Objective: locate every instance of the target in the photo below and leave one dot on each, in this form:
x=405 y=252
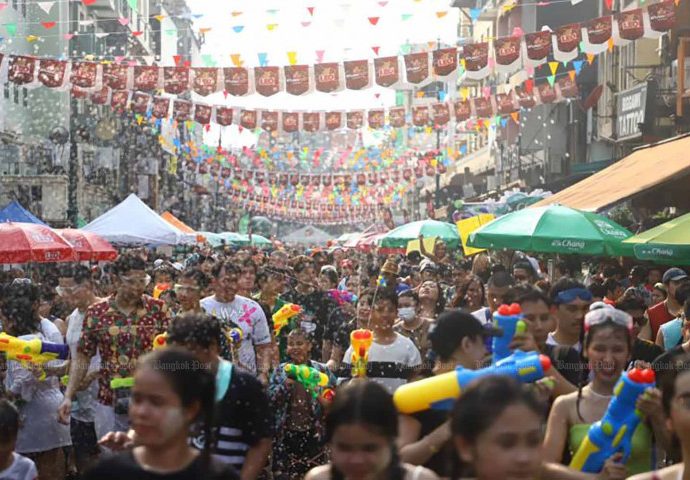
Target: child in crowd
x=13 y=466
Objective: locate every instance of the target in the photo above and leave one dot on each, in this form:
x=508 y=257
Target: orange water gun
x=361 y=341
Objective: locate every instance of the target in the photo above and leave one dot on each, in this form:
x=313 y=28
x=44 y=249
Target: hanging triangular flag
x=383 y=3
x=238 y=28
x=205 y=30
x=11 y=29
x=376 y=50
x=610 y=42
x=475 y=13
x=529 y=85
x=133 y=4
x=551 y=79
x=577 y=64
x=306 y=24
x=101 y=35
x=208 y=61
x=236 y=61
x=441 y=14
x=88 y=2
x=170 y=31
x=3 y=6
x=373 y=20
x=405 y=49
x=236 y=13
x=553 y=66
x=609 y=4
x=292 y=58
x=123 y=21
x=68 y=36
x=138 y=33
x=465 y=93
x=406 y=16
x=160 y=18
x=263 y=59
x=504 y=122
x=565 y=63
x=319 y=55
x=46 y=6
x=48 y=25
x=590 y=58
x=176 y=58
x=271 y=26
x=32 y=38
x=515 y=116
x=571 y=74
x=310 y=10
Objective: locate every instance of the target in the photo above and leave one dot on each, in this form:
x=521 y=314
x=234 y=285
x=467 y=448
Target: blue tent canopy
x=14 y=212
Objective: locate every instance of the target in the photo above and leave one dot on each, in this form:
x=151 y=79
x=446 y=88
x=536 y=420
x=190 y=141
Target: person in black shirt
x=242 y=428
x=319 y=317
x=643 y=350
x=171 y=392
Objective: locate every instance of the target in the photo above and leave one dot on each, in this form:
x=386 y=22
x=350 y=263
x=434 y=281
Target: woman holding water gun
x=676 y=402
x=607 y=348
x=35 y=387
x=361 y=428
x=298 y=401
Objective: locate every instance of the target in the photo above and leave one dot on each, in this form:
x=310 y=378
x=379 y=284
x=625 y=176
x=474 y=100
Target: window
x=15 y=92
x=25 y=97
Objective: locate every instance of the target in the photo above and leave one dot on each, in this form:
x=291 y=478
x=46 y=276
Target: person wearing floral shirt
x=121 y=329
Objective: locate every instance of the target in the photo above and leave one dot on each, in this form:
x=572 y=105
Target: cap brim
x=679 y=277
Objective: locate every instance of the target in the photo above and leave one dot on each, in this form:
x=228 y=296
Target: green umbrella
x=399 y=237
x=667 y=243
x=553 y=229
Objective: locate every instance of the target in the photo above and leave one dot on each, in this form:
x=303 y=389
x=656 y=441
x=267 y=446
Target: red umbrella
x=89 y=246
x=30 y=242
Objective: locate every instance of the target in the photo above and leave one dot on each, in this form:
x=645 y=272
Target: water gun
x=33 y=351
x=613 y=433
x=282 y=316
x=160 y=288
x=341 y=296
x=310 y=378
x=441 y=391
x=160 y=341
x=234 y=336
x=509 y=319
x=361 y=341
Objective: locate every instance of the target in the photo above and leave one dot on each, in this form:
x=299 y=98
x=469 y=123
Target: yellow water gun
x=35 y=351
x=283 y=316
x=361 y=341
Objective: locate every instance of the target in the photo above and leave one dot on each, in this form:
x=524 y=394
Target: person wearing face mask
x=410 y=324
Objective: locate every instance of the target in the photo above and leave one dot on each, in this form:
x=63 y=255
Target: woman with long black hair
x=172 y=393
x=361 y=428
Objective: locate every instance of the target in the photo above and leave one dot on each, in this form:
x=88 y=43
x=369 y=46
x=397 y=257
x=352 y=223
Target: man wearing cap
x=667 y=310
x=389 y=272
x=428 y=270
x=457 y=339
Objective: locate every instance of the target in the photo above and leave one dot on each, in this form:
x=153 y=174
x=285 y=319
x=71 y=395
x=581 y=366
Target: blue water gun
x=441 y=391
x=613 y=433
x=509 y=319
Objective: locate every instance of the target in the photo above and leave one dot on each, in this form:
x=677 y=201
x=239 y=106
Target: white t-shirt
x=21 y=468
x=550 y=340
x=483 y=315
x=247 y=315
x=83 y=406
x=389 y=365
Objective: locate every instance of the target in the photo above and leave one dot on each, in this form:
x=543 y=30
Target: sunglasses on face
x=569 y=296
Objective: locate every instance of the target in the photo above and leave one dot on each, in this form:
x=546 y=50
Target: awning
x=642 y=170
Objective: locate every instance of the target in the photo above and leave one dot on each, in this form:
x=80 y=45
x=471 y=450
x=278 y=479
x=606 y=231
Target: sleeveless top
x=640 y=460
x=658 y=315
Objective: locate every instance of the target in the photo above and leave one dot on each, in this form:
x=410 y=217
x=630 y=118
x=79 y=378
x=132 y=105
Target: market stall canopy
x=181 y=226
x=132 y=222
x=399 y=237
x=256 y=240
x=89 y=246
x=32 y=243
x=667 y=243
x=554 y=229
x=642 y=170
x=308 y=236
x=14 y=212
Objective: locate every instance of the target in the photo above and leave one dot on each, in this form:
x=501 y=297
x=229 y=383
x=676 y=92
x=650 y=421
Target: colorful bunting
x=441 y=14
x=236 y=13
x=123 y=21
x=475 y=13
x=271 y=26
x=311 y=11
x=373 y=20
x=571 y=74
x=292 y=58
x=551 y=79
x=590 y=58
x=553 y=66
x=263 y=58
x=45 y=6
x=48 y=25
x=88 y=2
x=376 y=50
x=577 y=64
x=306 y=24
x=133 y=4
x=319 y=55
x=238 y=28
x=3 y=6
x=236 y=59
x=11 y=28
x=405 y=16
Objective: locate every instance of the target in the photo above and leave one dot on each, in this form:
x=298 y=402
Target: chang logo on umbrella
x=610 y=230
x=658 y=251
x=568 y=243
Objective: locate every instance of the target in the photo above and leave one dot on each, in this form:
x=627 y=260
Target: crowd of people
x=178 y=369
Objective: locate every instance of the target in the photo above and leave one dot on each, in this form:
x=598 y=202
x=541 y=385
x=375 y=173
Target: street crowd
x=184 y=367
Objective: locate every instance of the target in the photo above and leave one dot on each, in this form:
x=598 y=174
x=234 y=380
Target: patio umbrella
x=666 y=243
x=399 y=237
x=31 y=242
x=89 y=246
x=554 y=229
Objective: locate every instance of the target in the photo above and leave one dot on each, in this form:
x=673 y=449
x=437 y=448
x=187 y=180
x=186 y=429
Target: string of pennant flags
x=475 y=61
